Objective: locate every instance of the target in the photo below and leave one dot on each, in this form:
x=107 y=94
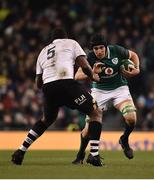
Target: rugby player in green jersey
x=106 y=61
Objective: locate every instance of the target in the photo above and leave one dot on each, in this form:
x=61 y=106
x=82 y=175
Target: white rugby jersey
x=56 y=61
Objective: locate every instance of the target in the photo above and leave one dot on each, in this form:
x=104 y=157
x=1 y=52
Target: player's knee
x=131 y=118
x=129 y=113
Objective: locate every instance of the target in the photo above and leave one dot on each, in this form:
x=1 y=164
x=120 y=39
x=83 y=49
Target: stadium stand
x=25 y=28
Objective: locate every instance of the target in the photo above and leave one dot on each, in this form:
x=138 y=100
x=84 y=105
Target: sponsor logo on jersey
x=108 y=71
x=115 y=60
x=107 y=77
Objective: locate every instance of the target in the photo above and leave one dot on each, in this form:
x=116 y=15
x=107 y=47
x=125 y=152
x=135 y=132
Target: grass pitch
x=57 y=164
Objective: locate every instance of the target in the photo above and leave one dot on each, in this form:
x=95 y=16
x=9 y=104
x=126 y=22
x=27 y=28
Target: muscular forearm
x=84 y=65
x=86 y=68
x=134 y=57
x=88 y=72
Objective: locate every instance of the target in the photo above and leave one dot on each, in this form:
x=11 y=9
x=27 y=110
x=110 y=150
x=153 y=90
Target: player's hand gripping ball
x=129 y=69
x=127 y=65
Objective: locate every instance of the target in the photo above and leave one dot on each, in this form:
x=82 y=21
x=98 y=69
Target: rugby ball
x=127 y=64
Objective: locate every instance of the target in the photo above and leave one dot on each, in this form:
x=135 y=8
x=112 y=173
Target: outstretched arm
x=86 y=69
x=97 y=68
x=80 y=75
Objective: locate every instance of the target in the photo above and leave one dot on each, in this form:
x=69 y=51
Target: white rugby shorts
x=116 y=96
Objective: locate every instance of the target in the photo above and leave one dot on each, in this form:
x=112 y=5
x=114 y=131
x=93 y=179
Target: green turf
x=57 y=164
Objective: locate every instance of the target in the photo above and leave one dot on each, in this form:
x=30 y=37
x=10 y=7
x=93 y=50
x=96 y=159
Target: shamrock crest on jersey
x=115 y=60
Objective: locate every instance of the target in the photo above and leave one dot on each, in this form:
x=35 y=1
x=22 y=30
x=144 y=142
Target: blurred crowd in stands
x=25 y=27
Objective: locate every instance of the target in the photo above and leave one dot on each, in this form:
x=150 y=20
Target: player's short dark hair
x=98 y=39
x=59 y=33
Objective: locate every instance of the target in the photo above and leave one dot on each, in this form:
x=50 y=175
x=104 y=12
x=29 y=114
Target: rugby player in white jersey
x=55 y=75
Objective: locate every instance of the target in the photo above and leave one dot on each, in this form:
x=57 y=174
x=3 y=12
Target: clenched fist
x=98 y=67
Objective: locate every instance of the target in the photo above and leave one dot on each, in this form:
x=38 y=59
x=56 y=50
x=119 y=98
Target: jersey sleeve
x=78 y=51
x=38 y=66
x=122 y=52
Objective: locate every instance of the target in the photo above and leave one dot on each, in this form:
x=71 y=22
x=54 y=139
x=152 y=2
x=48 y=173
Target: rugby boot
x=18 y=156
x=95 y=160
x=79 y=159
x=126 y=148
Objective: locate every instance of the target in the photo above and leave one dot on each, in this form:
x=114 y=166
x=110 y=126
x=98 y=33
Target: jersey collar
x=108 y=52
x=56 y=40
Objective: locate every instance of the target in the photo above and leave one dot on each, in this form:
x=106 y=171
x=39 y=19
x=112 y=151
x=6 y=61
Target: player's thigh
x=102 y=97
x=128 y=110
x=124 y=103
x=120 y=95
x=78 y=98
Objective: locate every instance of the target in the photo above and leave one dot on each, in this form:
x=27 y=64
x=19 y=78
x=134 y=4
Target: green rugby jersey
x=111 y=77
